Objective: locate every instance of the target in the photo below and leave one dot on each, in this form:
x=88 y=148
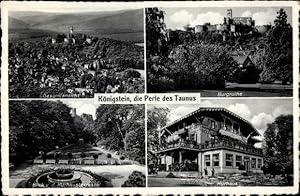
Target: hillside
x=121 y=25
x=14 y=23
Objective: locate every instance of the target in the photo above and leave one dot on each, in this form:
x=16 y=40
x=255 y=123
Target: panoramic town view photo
x=220 y=50
x=221 y=143
x=75 y=53
x=76 y=144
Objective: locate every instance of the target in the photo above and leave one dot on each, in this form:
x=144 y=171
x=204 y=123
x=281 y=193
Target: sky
x=66 y=7
x=259 y=112
x=83 y=106
x=176 y=18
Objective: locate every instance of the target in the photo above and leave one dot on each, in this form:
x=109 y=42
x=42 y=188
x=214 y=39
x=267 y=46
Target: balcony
x=217 y=144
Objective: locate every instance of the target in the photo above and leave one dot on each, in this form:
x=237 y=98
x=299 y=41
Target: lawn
x=234 y=180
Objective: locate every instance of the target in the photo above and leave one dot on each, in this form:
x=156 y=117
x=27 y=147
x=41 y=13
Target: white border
x=22 y=6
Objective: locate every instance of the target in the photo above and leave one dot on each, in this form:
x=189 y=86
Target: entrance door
x=247 y=164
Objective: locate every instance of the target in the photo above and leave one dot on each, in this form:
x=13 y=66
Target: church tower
x=71 y=30
x=71 y=33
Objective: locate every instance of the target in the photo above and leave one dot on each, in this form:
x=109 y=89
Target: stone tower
x=229 y=13
x=73 y=112
x=71 y=30
x=229 y=16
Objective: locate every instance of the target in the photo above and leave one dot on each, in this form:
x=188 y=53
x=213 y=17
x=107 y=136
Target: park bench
x=75 y=162
x=50 y=161
x=101 y=162
x=63 y=162
x=89 y=162
x=37 y=161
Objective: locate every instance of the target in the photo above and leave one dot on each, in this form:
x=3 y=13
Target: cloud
x=181 y=111
x=240 y=109
x=261 y=18
x=261 y=120
x=212 y=17
x=207 y=103
x=181 y=18
x=280 y=110
x=247 y=14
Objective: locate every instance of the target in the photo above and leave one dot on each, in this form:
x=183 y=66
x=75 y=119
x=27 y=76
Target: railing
x=216 y=144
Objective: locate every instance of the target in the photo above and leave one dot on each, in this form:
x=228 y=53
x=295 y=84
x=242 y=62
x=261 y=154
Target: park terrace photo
x=220 y=49
x=221 y=143
x=76 y=144
x=75 y=52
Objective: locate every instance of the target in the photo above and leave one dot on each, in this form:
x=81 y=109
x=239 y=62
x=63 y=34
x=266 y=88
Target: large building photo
x=221 y=142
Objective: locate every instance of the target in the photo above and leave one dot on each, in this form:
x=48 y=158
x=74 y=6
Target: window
x=259 y=163
x=207 y=160
x=229 y=160
x=216 y=160
x=236 y=128
x=212 y=124
x=228 y=125
x=192 y=137
x=238 y=160
x=253 y=163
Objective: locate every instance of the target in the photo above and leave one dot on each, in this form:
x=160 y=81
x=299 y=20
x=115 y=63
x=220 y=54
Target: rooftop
x=213 y=109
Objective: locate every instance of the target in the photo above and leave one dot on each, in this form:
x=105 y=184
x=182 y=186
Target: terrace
x=224 y=143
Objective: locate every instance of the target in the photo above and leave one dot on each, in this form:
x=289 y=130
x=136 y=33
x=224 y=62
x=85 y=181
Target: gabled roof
x=213 y=109
x=240 y=59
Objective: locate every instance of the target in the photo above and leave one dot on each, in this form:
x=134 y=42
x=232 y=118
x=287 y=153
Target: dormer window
x=211 y=123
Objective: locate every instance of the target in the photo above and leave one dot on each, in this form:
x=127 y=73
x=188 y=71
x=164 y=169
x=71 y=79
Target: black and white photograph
x=75 y=52
x=150 y=97
x=220 y=49
x=63 y=144
x=221 y=143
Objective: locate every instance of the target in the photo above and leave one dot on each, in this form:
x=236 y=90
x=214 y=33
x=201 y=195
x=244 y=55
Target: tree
x=281 y=19
x=157 y=118
x=156 y=32
x=279 y=54
x=121 y=128
x=36 y=123
x=95 y=156
x=205 y=66
x=278 y=146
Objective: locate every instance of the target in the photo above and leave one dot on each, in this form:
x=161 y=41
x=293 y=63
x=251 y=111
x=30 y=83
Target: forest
x=185 y=60
x=117 y=127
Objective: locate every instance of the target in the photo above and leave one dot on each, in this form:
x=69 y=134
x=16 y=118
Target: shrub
x=136 y=179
